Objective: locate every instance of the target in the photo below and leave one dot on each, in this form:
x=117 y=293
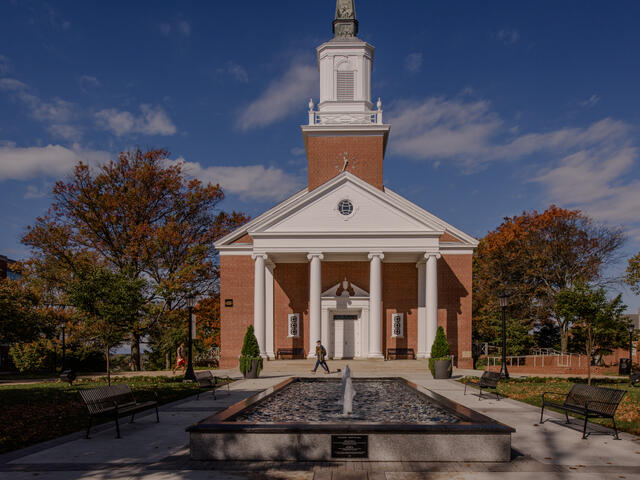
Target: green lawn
x=37 y=412
x=530 y=390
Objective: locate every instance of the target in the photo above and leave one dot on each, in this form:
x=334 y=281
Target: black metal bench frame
x=290 y=352
x=487 y=380
x=634 y=379
x=114 y=401
x=587 y=400
x=207 y=380
x=396 y=352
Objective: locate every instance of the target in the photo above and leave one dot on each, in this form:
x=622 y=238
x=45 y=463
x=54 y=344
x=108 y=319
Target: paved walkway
x=159 y=451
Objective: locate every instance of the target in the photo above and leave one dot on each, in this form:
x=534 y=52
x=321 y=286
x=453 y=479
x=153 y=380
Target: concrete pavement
x=159 y=451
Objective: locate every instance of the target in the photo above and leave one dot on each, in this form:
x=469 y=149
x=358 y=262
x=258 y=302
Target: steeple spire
x=345 y=23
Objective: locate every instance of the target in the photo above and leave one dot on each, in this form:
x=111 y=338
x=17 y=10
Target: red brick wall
x=291 y=295
x=236 y=283
x=400 y=295
x=244 y=239
x=454 y=305
x=325 y=153
x=335 y=272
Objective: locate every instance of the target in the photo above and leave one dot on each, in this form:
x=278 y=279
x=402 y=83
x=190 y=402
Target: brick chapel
x=346 y=260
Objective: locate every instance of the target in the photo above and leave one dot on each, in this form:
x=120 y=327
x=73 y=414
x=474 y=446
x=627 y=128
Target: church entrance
x=346 y=328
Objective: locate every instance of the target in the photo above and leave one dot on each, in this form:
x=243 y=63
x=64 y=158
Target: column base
x=376 y=355
x=311 y=355
x=270 y=356
x=422 y=356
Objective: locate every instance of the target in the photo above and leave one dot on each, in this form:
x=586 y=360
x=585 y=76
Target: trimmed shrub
x=33 y=357
x=250 y=351
x=439 y=350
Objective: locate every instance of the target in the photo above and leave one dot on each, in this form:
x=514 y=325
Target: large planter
x=443 y=368
x=254 y=371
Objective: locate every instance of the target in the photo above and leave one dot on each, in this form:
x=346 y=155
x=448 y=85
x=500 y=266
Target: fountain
x=316 y=419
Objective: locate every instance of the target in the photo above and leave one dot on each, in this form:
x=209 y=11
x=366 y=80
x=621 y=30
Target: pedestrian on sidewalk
x=181 y=360
x=321 y=355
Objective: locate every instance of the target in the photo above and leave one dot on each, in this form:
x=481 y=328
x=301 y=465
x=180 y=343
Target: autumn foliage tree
x=632 y=274
x=140 y=217
x=534 y=256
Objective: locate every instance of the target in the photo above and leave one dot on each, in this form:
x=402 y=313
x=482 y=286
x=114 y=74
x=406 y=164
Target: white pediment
x=345 y=289
x=371 y=211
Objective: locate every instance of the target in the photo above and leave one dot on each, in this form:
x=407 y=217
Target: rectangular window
x=397 y=325
x=346 y=86
x=293 y=325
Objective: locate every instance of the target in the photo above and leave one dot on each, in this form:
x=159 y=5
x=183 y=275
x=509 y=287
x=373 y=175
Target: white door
x=345 y=327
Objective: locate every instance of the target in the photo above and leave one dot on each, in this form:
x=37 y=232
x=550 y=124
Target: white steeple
x=345 y=64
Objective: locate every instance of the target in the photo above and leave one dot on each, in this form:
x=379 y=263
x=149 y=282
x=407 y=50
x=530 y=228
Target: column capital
x=432 y=254
x=263 y=256
x=373 y=255
x=313 y=255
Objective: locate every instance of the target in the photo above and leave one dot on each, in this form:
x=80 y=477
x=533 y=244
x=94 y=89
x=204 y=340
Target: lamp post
x=189 y=374
x=504 y=301
x=60 y=308
x=631 y=329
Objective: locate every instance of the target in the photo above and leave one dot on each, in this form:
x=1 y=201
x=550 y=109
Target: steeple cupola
x=345 y=23
x=346 y=124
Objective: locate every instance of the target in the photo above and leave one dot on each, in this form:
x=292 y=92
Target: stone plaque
x=349 y=446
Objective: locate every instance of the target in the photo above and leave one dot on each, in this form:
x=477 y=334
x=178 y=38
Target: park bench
x=400 y=353
x=68 y=376
x=291 y=353
x=587 y=400
x=114 y=401
x=635 y=379
x=487 y=380
x=206 y=380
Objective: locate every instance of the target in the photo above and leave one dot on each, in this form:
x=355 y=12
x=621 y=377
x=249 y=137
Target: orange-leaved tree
x=140 y=216
x=534 y=256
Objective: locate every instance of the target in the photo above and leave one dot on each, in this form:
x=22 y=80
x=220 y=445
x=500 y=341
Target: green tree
x=109 y=302
x=440 y=349
x=138 y=215
x=534 y=256
x=597 y=324
x=250 y=351
x=632 y=276
x=21 y=319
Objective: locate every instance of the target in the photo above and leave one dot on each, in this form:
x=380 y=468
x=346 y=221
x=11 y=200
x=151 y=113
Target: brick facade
x=399 y=295
x=325 y=155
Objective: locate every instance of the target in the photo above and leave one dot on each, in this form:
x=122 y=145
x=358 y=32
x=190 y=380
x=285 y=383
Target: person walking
x=181 y=359
x=321 y=355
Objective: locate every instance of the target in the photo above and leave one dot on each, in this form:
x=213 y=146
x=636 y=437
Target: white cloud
x=34 y=192
x=151 y=121
x=58 y=114
x=252 y=182
x=287 y=94
x=165 y=28
x=87 y=82
x=236 y=71
x=413 y=62
x=590 y=102
x=298 y=151
x=182 y=27
x=51 y=161
x=509 y=37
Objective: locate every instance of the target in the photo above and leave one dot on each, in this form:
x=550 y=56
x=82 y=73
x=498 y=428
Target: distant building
x=634 y=318
x=5 y=269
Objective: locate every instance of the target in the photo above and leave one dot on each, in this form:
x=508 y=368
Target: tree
x=439 y=349
x=632 y=277
x=597 y=323
x=534 y=256
x=141 y=217
x=250 y=351
x=110 y=302
x=21 y=319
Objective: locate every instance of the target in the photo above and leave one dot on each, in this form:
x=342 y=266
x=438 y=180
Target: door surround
x=356 y=306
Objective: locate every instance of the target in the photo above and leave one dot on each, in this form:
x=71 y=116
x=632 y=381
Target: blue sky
x=495 y=107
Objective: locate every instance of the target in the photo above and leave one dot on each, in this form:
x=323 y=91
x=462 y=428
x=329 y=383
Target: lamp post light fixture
x=189 y=374
x=504 y=301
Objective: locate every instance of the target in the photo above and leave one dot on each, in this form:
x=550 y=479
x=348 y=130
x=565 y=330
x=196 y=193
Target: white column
x=315 y=301
x=422 y=325
x=259 y=306
x=431 y=295
x=375 y=305
x=269 y=310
